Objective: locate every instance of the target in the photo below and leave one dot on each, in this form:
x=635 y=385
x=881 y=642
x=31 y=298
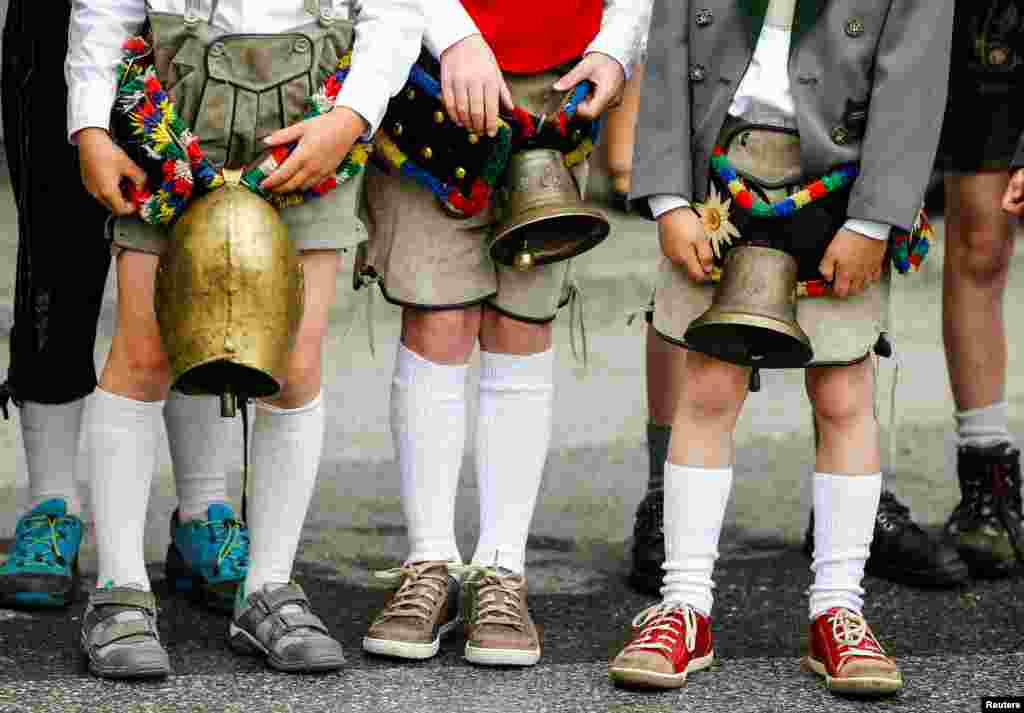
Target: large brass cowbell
x=229 y=297
x=752 y=318
x=544 y=220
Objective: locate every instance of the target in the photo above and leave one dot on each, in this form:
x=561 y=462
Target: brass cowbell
x=229 y=296
x=544 y=220
x=752 y=318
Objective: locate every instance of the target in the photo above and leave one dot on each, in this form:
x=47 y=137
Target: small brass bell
x=229 y=297
x=752 y=318
x=542 y=207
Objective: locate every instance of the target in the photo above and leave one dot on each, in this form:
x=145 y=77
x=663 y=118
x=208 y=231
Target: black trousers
x=63 y=251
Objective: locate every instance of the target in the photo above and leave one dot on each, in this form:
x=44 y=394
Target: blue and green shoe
x=208 y=559
x=41 y=570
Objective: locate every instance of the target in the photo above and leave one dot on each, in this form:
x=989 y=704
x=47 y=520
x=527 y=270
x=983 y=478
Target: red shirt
x=530 y=36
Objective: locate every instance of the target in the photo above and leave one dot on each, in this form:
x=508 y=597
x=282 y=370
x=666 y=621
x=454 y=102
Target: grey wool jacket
x=869 y=81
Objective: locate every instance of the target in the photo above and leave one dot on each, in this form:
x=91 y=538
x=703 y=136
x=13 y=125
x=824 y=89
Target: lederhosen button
x=841 y=135
x=698 y=73
x=705 y=18
x=854 y=27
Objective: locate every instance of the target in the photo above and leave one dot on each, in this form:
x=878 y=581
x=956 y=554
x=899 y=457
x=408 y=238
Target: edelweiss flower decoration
x=714 y=214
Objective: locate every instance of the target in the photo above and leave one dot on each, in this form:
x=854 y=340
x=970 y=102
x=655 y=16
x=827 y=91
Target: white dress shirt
x=387 y=42
x=622 y=34
x=764 y=97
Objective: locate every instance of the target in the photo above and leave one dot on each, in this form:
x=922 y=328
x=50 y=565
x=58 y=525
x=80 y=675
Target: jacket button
x=698 y=73
x=705 y=18
x=840 y=136
x=301 y=45
x=216 y=49
x=854 y=27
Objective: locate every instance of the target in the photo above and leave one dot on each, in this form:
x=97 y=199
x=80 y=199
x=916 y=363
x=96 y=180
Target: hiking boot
x=669 y=641
x=423 y=609
x=902 y=552
x=649 y=544
x=120 y=635
x=499 y=629
x=207 y=560
x=845 y=652
x=277 y=622
x=41 y=569
x=986 y=527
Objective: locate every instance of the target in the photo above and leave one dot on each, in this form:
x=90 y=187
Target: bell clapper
x=755 y=380
x=228 y=404
x=524 y=258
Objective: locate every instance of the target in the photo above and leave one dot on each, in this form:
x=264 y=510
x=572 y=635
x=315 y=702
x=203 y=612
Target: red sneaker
x=845 y=651
x=669 y=641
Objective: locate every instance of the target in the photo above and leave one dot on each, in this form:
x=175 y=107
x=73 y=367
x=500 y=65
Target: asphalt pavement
x=953 y=646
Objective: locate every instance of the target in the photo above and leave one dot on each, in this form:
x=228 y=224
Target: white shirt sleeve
x=388 y=40
x=663 y=203
x=623 y=31
x=447 y=23
x=98 y=29
x=869 y=228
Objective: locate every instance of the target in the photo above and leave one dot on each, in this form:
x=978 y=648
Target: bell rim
x=272 y=385
x=537 y=215
x=760 y=321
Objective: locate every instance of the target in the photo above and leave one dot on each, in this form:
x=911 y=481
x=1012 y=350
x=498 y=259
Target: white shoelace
x=850 y=629
x=661 y=620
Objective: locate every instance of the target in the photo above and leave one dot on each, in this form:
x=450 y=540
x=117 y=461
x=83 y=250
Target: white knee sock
x=695 y=502
x=512 y=438
x=123 y=435
x=844 y=523
x=286 y=447
x=50 y=433
x=199 y=440
x=985 y=426
x=428 y=423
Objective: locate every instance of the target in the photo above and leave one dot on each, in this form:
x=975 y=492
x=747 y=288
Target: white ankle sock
x=199 y=440
x=695 y=502
x=985 y=426
x=122 y=437
x=428 y=423
x=512 y=438
x=286 y=447
x=50 y=433
x=844 y=523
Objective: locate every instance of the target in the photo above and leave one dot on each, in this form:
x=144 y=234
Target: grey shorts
x=330 y=222
x=842 y=331
x=424 y=258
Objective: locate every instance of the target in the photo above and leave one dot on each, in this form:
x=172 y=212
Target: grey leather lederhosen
x=235 y=89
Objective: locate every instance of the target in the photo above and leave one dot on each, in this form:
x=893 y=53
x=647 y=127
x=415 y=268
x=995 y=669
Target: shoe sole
x=639 y=678
x=501 y=657
x=409 y=649
x=52 y=599
x=858 y=685
x=241 y=642
x=133 y=673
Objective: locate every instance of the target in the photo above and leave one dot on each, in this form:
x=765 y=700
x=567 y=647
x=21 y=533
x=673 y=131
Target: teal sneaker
x=41 y=569
x=208 y=559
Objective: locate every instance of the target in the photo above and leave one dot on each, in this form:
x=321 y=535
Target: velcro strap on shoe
x=125 y=597
x=300 y=620
x=274 y=600
x=107 y=633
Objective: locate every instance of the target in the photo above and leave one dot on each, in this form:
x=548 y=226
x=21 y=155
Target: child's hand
x=324 y=141
x=607 y=76
x=1013 y=199
x=683 y=241
x=852 y=262
x=472 y=85
x=104 y=165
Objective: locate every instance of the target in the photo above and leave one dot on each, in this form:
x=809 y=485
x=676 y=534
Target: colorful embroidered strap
x=147 y=126
x=908 y=250
x=461 y=169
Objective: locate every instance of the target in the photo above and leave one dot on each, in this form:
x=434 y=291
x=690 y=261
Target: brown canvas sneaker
x=499 y=629
x=423 y=609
